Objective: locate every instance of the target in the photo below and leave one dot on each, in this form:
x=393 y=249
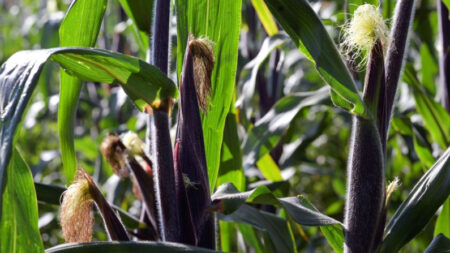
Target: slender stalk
x=396 y=52
x=444 y=54
x=365 y=191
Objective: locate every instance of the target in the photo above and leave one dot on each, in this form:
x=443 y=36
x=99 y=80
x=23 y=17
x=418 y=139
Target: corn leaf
x=425 y=198
x=440 y=244
x=119 y=247
x=267 y=132
x=219 y=22
x=144 y=83
x=309 y=35
x=79 y=28
x=443 y=220
x=19 y=230
x=277 y=228
x=434 y=115
x=140 y=11
x=265 y=17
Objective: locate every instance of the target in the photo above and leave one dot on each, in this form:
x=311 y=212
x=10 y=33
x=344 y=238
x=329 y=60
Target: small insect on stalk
x=77 y=218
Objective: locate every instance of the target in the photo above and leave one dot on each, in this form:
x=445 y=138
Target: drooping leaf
x=440 y=244
x=434 y=115
x=19 y=230
x=140 y=11
x=220 y=23
x=309 y=35
x=268 y=130
x=143 y=83
x=425 y=198
x=277 y=227
x=231 y=199
x=79 y=28
x=119 y=247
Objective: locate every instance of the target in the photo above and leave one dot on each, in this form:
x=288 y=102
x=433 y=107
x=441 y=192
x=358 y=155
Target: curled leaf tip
x=362 y=32
x=113 y=151
x=203 y=55
x=77 y=218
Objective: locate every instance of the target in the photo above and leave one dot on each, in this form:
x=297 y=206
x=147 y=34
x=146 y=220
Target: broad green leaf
x=443 y=221
x=144 y=84
x=309 y=35
x=269 y=168
x=51 y=194
x=19 y=230
x=231 y=199
x=230 y=171
x=333 y=233
x=249 y=234
x=265 y=17
x=425 y=198
x=440 y=244
x=267 y=132
x=140 y=11
x=277 y=227
x=434 y=115
x=119 y=247
x=79 y=28
x=219 y=21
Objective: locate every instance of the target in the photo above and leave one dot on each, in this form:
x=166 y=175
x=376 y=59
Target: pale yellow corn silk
x=362 y=31
x=77 y=217
x=133 y=143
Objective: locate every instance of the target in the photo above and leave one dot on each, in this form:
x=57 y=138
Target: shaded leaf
x=425 y=198
x=119 y=247
x=440 y=244
x=19 y=230
x=309 y=35
x=268 y=130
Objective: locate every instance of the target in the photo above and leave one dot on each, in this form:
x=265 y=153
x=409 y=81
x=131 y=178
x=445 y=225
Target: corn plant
x=261 y=126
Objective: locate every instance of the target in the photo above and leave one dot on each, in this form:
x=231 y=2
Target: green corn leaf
x=79 y=28
x=309 y=35
x=265 y=17
x=230 y=171
x=19 y=230
x=220 y=23
x=269 y=168
x=140 y=11
x=144 y=83
x=277 y=228
x=425 y=198
x=250 y=236
x=119 y=247
x=434 y=115
x=440 y=244
x=267 y=132
x=299 y=208
x=443 y=220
